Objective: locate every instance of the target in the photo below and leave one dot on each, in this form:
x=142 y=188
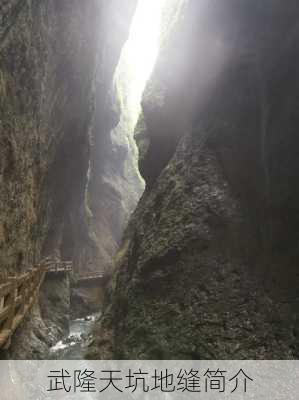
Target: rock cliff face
x=50 y=53
x=208 y=263
x=114 y=185
x=47 y=74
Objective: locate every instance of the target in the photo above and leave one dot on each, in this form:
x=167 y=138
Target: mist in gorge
x=149 y=179
x=137 y=60
x=150 y=23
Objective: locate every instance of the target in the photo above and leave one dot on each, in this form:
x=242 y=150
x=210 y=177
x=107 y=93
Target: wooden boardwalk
x=59 y=266
x=18 y=294
x=95 y=276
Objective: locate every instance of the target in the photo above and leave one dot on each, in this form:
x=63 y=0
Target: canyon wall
x=47 y=75
x=114 y=184
x=50 y=53
x=207 y=268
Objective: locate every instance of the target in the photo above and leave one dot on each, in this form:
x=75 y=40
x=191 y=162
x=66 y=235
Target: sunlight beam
x=138 y=58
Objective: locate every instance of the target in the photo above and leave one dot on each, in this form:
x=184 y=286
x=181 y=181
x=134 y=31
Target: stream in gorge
x=73 y=346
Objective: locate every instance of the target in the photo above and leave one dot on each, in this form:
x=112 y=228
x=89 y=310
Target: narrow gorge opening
x=72 y=84
x=120 y=173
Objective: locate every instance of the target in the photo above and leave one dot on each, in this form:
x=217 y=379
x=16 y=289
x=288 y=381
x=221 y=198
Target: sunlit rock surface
x=207 y=269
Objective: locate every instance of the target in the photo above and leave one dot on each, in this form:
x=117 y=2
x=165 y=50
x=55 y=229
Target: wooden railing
x=18 y=294
x=59 y=266
x=90 y=277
